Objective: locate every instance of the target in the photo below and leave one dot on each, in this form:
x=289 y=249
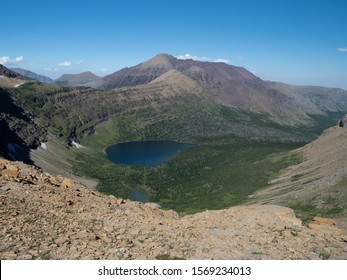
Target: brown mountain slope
x=153 y=68
x=51 y=217
x=174 y=81
x=236 y=87
x=140 y=74
x=223 y=83
x=318 y=183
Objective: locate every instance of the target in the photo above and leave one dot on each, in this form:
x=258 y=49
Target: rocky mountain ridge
x=9 y=78
x=227 y=85
x=51 y=217
x=32 y=75
x=238 y=88
x=18 y=130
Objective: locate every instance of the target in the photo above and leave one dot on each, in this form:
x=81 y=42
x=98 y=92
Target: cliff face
x=18 y=131
x=51 y=217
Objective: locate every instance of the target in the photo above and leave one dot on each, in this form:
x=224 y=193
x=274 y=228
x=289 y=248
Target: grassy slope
x=332 y=205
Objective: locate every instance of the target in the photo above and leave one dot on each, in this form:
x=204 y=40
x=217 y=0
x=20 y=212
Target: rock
x=343 y=122
x=67 y=183
x=325 y=226
x=83 y=234
x=61 y=240
x=12 y=173
x=121 y=201
x=152 y=205
x=324 y=221
x=11 y=166
x=9 y=255
x=54 y=181
x=25 y=257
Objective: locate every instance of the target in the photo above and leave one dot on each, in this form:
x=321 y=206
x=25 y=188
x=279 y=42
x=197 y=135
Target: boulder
x=325 y=226
x=343 y=122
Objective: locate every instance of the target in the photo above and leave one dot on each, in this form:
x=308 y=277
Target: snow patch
x=19 y=84
x=75 y=144
x=44 y=146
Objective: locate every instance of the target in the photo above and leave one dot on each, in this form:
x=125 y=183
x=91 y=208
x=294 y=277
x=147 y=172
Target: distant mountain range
x=32 y=75
x=164 y=81
x=236 y=87
x=222 y=83
x=87 y=79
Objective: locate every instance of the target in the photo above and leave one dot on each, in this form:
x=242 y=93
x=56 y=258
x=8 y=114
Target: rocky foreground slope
x=51 y=217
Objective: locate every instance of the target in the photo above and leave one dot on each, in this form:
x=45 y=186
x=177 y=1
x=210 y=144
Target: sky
x=300 y=42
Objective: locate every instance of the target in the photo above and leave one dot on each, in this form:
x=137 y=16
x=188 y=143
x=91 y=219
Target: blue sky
x=298 y=42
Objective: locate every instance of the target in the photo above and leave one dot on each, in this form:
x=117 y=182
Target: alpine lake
x=144 y=154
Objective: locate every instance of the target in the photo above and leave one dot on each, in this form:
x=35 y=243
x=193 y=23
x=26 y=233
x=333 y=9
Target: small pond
x=138 y=196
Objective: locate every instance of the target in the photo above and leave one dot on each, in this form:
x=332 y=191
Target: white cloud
x=65 y=64
x=4 y=59
x=80 y=62
x=18 y=59
x=194 y=57
x=50 y=69
x=342 y=49
x=7 y=60
x=201 y=58
x=221 y=60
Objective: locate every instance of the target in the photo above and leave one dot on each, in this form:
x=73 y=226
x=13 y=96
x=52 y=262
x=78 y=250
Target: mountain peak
x=88 y=79
x=161 y=60
x=164 y=57
x=83 y=74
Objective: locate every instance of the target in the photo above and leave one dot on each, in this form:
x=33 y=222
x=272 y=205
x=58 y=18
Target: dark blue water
x=144 y=153
x=138 y=196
